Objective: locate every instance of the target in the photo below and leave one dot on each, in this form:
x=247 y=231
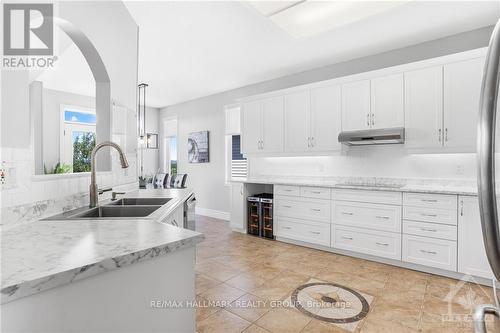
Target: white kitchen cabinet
x=387 y=102
x=325 y=118
x=312 y=120
x=471 y=253
x=251 y=121
x=297 y=121
x=233 y=121
x=272 y=125
x=462 y=87
x=356 y=105
x=262 y=126
x=238 y=207
x=432 y=252
x=424 y=108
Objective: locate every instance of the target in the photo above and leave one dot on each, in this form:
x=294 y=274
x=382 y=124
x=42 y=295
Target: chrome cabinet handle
x=461 y=208
x=288 y=228
x=429 y=200
x=382 y=244
x=428 y=252
x=368 y=119
x=312 y=141
x=347 y=213
x=430 y=230
x=315 y=232
x=345 y=237
x=309 y=142
x=446 y=134
x=316 y=210
x=382 y=217
x=486 y=152
x=428 y=215
x=287 y=206
x=315 y=192
x=373 y=119
x=439 y=135
x=479 y=316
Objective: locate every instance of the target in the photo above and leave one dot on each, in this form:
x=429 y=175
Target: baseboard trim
x=216 y=214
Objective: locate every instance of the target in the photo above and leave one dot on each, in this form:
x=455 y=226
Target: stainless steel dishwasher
x=189 y=213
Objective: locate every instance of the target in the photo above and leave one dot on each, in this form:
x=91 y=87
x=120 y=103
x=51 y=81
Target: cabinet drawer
x=315 y=192
x=377 y=243
x=435 y=215
x=435 y=230
x=286 y=190
x=381 y=197
x=305 y=231
x=440 y=201
x=303 y=208
x=366 y=215
x=432 y=252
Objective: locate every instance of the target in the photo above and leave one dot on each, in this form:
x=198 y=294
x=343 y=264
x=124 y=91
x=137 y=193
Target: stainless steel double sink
x=118 y=209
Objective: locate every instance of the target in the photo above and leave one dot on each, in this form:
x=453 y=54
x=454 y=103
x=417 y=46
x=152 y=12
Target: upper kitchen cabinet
x=387 y=102
x=325 y=118
x=356 y=113
x=297 y=121
x=373 y=104
x=272 y=125
x=251 y=125
x=262 y=126
x=312 y=120
x=424 y=108
x=462 y=87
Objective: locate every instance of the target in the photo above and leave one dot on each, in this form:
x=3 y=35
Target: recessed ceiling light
x=308 y=18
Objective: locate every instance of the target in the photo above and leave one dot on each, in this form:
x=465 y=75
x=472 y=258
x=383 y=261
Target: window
x=238 y=164
x=78 y=136
x=173 y=155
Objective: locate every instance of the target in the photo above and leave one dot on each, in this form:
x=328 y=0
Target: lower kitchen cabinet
x=304 y=231
x=372 y=242
x=432 y=252
x=471 y=253
x=177 y=218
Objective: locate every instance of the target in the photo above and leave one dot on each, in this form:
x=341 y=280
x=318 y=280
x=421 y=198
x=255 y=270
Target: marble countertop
x=45 y=254
x=437 y=186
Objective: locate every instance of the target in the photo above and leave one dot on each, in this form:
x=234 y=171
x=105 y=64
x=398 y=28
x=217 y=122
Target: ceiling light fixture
x=307 y=18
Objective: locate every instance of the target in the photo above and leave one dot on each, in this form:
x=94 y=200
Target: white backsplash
x=387 y=162
x=26 y=197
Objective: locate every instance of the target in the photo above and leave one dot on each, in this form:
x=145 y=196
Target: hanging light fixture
x=141 y=123
x=141 y=114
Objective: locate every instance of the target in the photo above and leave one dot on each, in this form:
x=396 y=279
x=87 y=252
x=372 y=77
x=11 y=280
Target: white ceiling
x=192 y=49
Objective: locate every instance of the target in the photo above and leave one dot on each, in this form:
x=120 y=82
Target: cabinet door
x=325 y=118
x=462 y=87
x=238 y=216
x=297 y=115
x=251 y=127
x=356 y=105
x=272 y=125
x=387 y=104
x=471 y=253
x=424 y=108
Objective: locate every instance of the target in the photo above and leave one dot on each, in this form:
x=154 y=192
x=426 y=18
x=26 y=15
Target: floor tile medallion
x=331 y=303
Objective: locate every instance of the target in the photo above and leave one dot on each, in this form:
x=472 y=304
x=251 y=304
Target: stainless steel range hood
x=384 y=136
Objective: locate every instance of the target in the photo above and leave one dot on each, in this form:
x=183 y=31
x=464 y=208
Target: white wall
x=113 y=31
x=207 y=113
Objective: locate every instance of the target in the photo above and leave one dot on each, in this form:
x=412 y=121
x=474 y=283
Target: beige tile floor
x=234 y=271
